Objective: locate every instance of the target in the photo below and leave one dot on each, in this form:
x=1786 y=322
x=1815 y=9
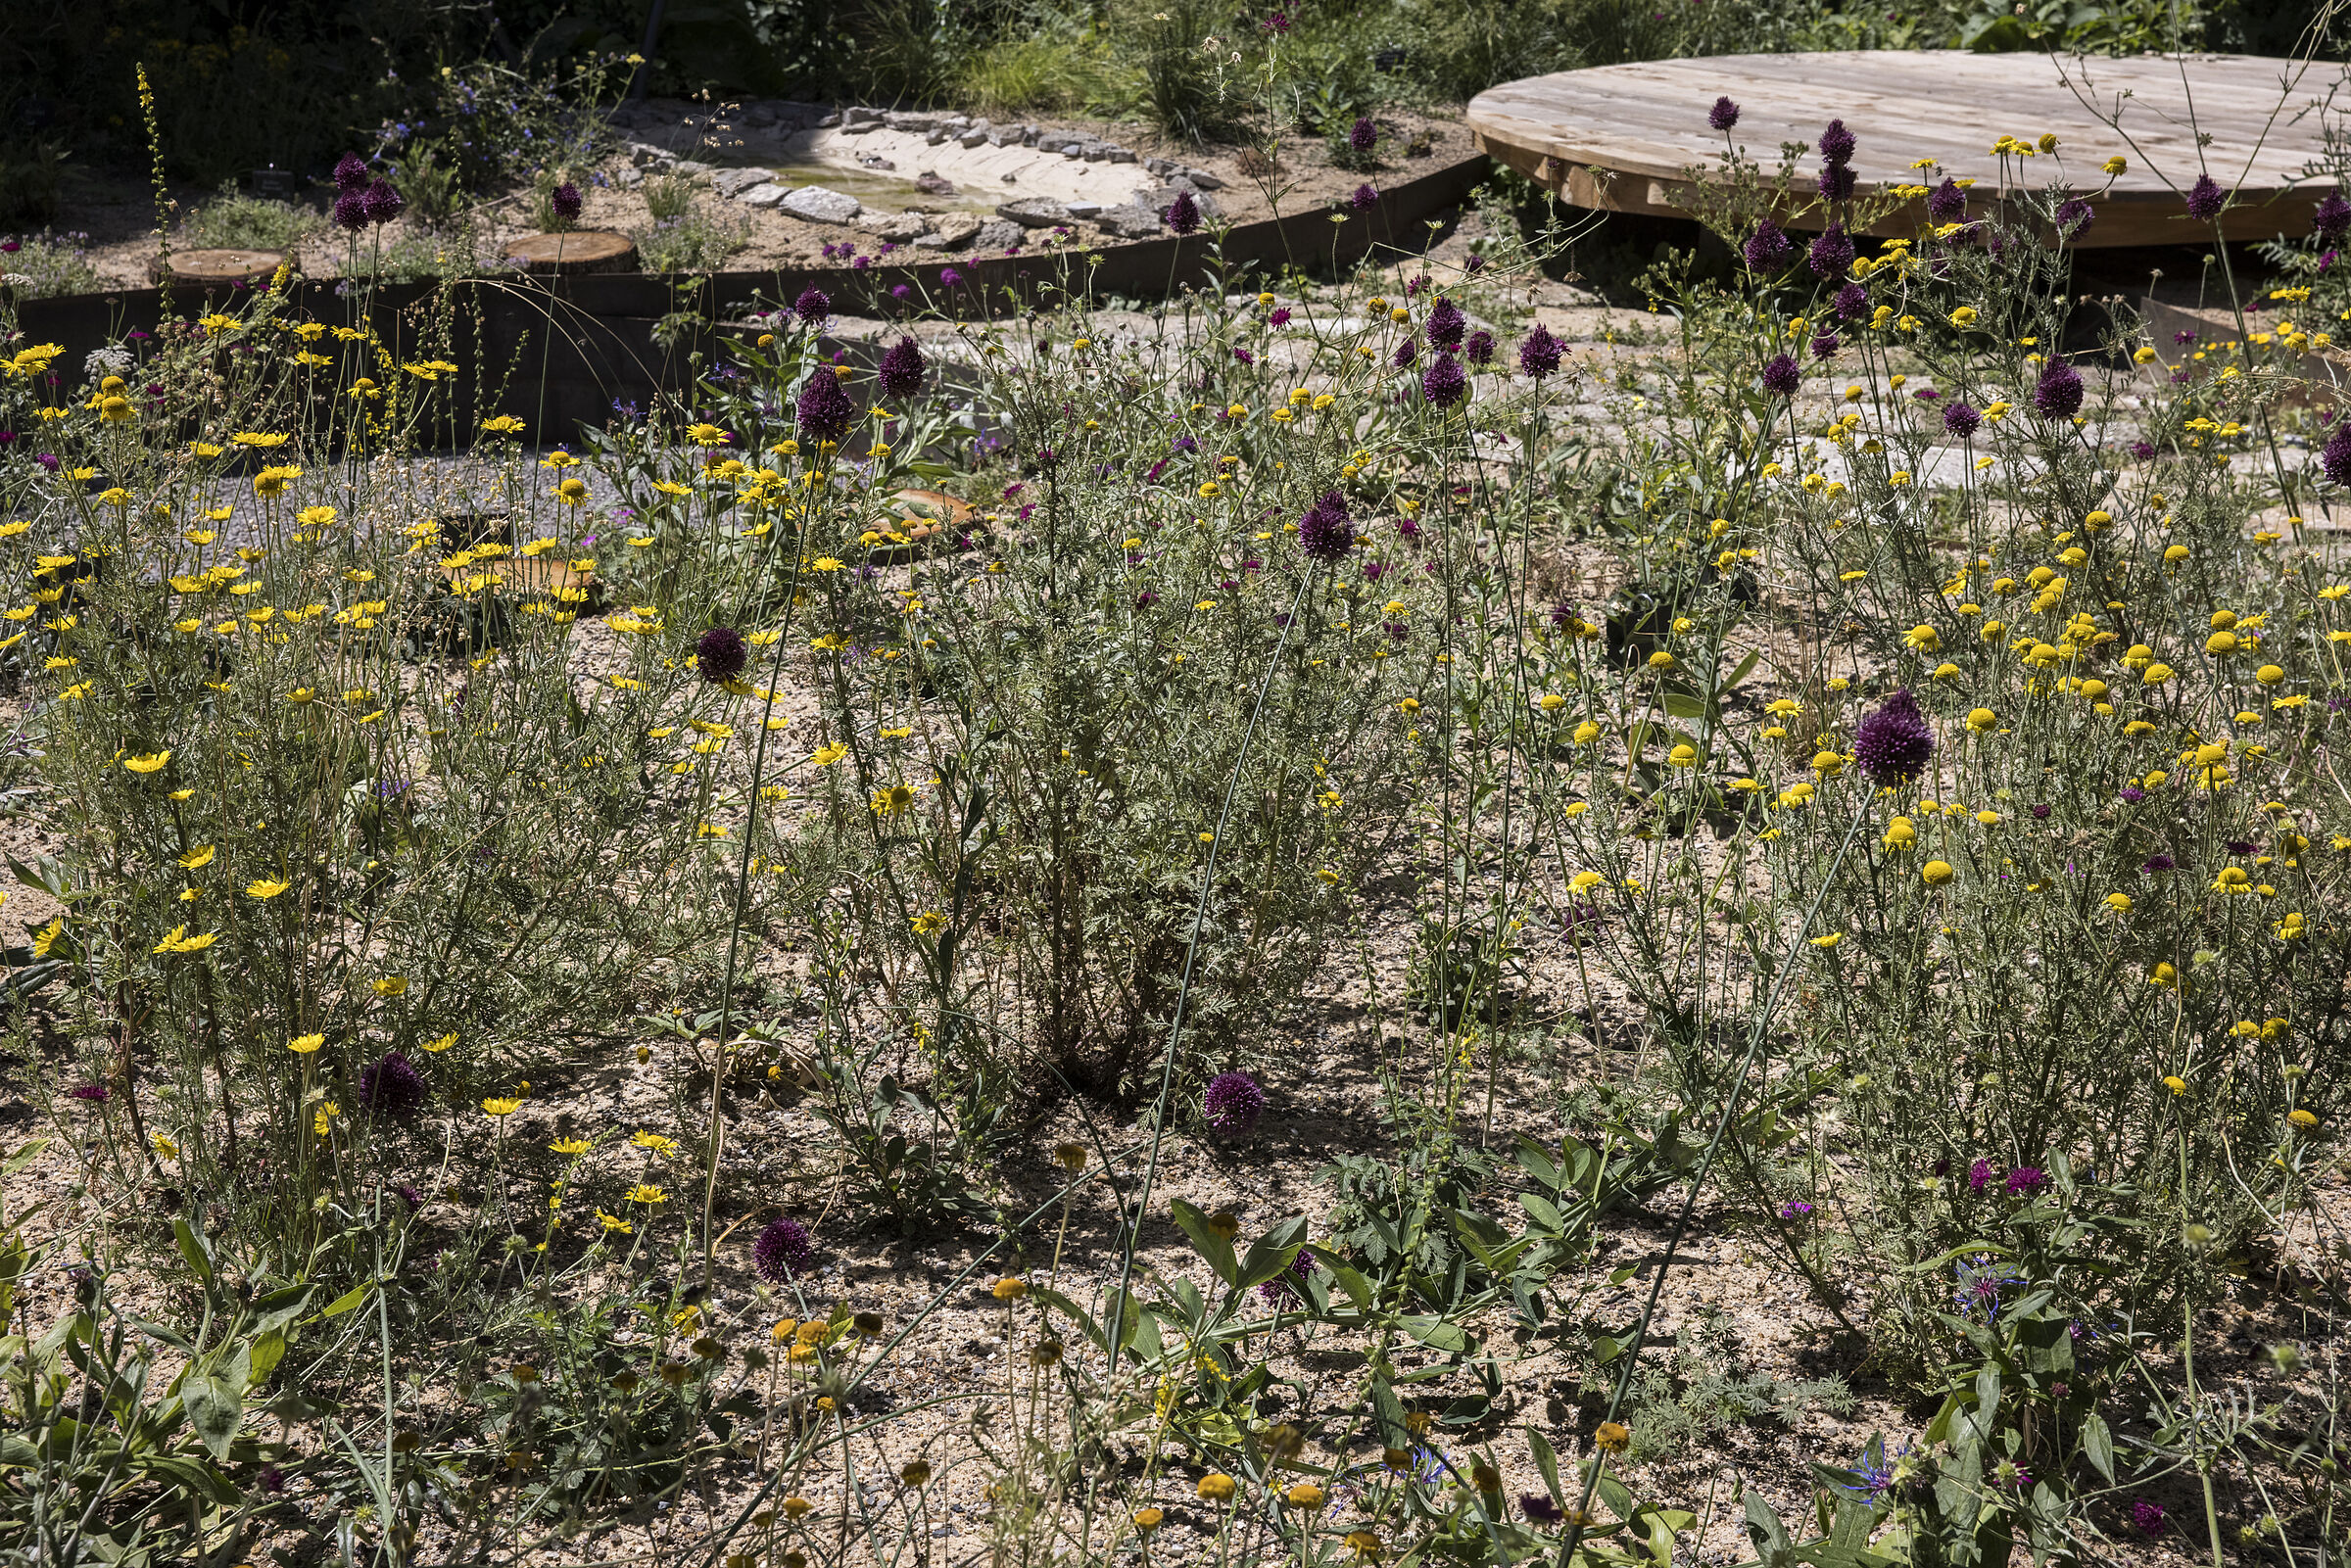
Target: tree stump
x=216 y=269
x=574 y=254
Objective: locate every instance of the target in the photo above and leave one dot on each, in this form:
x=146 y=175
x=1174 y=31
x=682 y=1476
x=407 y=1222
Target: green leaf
x=1349 y=1277
x=194 y=1248
x=1435 y=1332
x=23 y=1156
x=348 y=1300
x=1680 y=705
x=1543 y=1213
x=2097 y=1446
x=1746 y=668
x=279 y=1308
x=1272 y=1253
x=1547 y=1460
x=214 y=1410
x=1388 y=1411
x=1076 y=1315
x=1206 y=1241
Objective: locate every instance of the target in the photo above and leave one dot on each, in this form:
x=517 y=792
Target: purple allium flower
x=1363 y=135
x=2158 y=863
x=1838 y=143
x=2057 y=394
x=392 y=1087
x=1825 y=343
x=1781 y=376
x=351 y=211
x=1445 y=323
x=2133 y=794
x=783 y=1249
x=2143 y=450
x=1283 y=1286
x=2330 y=220
x=1183 y=215
x=1538 y=1505
x=1947 y=202
x=1406 y=352
x=1767 y=248
x=813 y=306
x=824 y=408
x=2075 y=217
x=1324 y=530
x=1539 y=355
x=1832 y=252
x=410 y=1195
x=382 y=204
x=1724 y=114
x=2205 y=199
x=721 y=653
x=902 y=370
x=1853 y=301
x=1961 y=419
x=1365 y=199
x=95 y=1092
x=1445 y=383
x=269 y=1478
x=565 y=201
x=1232 y=1104
x=1892 y=743
x=1978 y=1176
x=2242 y=846
x=1836 y=182
x=1480 y=347
x=351 y=172
x=949 y=277
x=2335 y=456
x=2148 y=1515
x=2026 y=1180
x=2041 y=811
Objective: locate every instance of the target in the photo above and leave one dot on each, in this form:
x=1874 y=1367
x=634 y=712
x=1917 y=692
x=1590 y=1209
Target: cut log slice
x=575 y=254
x=216 y=269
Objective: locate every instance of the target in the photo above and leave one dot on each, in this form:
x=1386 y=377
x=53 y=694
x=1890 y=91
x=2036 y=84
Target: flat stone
x=861 y=116
x=1203 y=179
x=876 y=161
x=952 y=231
x=1035 y=211
x=733 y=182
x=1084 y=210
x=1131 y=221
x=766 y=193
x=910 y=119
x=999 y=235
x=830 y=121
x=931 y=183
x=973 y=137
x=1119 y=154
x=936 y=138
x=819 y=206
x=861 y=127
x=900 y=228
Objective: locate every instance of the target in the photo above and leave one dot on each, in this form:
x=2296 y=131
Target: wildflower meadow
x=1307 y=921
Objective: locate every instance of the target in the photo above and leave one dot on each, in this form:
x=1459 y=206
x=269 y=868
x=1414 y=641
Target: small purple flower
x=1767 y=248
x=1232 y=1104
x=351 y=211
x=1280 y=316
x=1832 y=252
x=392 y=1087
x=949 y=277
x=1539 y=355
x=1480 y=348
x=1538 y=1505
x=1183 y=215
x=2133 y=794
x=351 y=172
x=2026 y=1180
x=901 y=368
x=1853 y=301
x=2335 y=456
x=2155 y=863
x=2075 y=217
x=813 y=306
x=382 y=204
x=1836 y=182
x=410 y=1195
x=1283 y=1287
x=1947 y=203
x=824 y=408
x=565 y=202
x=2040 y=812
x=94 y=1092
x=1894 y=742
x=721 y=653
x=2143 y=450
x=1782 y=377
x=2149 y=1517
x=783 y=1249
x=2057 y=394
x=1825 y=343
x=1365 y=199
x=2205 y=199
x=1838 y=143
x=1724 y=114
x=1445 y=383
x=1796 y=1208
x=1326 y=532
x=2330 y=220
x=1978 y=1176
x=1961 y=419
x=1445 y=323
x=1363 y=135
x=1406 y=352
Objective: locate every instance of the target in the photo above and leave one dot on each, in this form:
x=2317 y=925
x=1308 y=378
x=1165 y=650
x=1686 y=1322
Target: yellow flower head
x=306 y=1044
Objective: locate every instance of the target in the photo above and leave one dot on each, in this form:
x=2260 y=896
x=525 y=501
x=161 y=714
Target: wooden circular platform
x=218 y=269
x=1632 y=138
x=574 y=254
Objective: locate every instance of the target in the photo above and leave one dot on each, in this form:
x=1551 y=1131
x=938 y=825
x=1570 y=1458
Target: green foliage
x=1699 y=1390
x=48 y=264
x=231 y=222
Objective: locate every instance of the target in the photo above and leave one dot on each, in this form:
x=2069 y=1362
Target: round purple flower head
x=2330 y=220
x=2073 y=218
x=783 y=1249
x=1781 y=376
x=1826 y=343
x=1960 y=419
x=88 y=1091
x=1406 y=352
x=565 y=202
x=1184 y=214
x=1283 y=1286
x=2335 y=456
x=1836 y=182
x=1445 y=383
x=392 y=1087
x=1539 y=355
x=351 y=211
x=2026 y=1180
x=2155 y=863
x=1232 y=1104
x=1363 y=135
x=1832 y=252
x=1767 y=248
x=813 y=306
x=1480 y=347
x=2148 y=1515
x=902 y=370
x=1724 y=114
x=2057 y=394
x=1324 y=531
x=1947 y=203
x=824 y=410
x=721 y=653
x=1892 y=743
x=1836 y=143
x=1852 y=301
x=1365 y=199
x=351 y=172
x=2205 y=199
x=1446 y=325
x=382 y=203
